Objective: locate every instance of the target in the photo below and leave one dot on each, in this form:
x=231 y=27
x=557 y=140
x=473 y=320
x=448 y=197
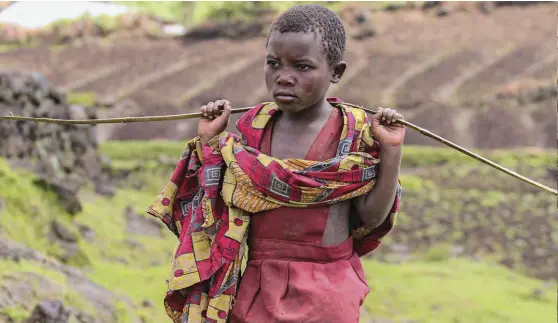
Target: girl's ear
x=338 y=71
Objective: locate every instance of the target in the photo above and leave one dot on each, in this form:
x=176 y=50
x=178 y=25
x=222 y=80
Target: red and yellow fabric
x=216 y=187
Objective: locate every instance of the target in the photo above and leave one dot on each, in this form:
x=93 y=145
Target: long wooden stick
x=240 y=110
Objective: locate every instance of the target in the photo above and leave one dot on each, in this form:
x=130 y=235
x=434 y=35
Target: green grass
x=26 y=216
x=421 y=156
x=453 y=291
x=81 y=98
x=8 y=47
x=28 y=210
x=142 y=150
x=139 y=277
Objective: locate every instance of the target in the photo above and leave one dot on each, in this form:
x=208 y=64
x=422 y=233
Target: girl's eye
x=303 y=67
x=272 y=63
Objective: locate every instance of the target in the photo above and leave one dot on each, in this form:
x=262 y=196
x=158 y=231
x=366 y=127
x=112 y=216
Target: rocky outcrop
x=63 y=155
x=46 y=298
x=49 y=312
x=65 y=152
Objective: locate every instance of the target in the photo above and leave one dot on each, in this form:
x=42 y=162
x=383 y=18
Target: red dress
x=290 y=277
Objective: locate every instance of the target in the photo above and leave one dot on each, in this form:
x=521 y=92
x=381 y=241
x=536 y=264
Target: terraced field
x=430 y=68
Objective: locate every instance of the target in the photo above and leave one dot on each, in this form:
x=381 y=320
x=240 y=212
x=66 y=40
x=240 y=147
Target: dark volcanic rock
x=62 y=232
x=49 y=312
x=66 y=194
x=25 y=289
x=58 y=150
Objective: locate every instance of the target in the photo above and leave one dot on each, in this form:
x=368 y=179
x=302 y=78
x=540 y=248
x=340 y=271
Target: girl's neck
x=316 y=112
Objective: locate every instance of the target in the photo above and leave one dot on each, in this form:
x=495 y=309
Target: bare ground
x=417 y=63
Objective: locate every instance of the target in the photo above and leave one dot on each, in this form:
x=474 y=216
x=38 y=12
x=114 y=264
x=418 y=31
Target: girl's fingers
x=211 y=110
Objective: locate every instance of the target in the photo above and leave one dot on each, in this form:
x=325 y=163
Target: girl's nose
x=285 y=79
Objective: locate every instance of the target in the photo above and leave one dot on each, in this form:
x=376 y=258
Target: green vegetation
x=171 y=10
x=28 y=210
x=16 y=313
x=112 y=263
x=8 y=47
x=449 y=200
x=81 y=98
x=142 y=150
x=188 y=14
x=191 y=13
x=455 y=291
x=421 y=156
x=413 y=156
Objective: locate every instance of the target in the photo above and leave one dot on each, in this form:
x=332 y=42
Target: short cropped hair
x=320 y=20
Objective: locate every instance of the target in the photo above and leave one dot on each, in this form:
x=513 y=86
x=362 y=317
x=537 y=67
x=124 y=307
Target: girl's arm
x=374 y=208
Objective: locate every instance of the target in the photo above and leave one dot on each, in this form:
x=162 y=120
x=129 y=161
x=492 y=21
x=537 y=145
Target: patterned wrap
x=215 y=187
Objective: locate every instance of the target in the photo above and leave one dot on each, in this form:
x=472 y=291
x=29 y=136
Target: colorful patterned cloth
x=216 y=187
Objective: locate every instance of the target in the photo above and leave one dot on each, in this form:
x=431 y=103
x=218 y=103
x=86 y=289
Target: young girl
x=311 y=177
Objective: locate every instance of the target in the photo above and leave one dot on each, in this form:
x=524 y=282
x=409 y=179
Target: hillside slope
x=442 y=72
x=448 y=234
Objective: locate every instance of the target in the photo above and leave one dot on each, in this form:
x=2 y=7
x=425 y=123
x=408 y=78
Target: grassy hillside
x=123 y=262
x=456 y=291
x=123 y=251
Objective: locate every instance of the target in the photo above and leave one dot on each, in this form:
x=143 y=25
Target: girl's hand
x=214 y=120
x=385 y=128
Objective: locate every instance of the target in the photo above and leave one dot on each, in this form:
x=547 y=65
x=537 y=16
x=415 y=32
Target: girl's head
x=305 y=49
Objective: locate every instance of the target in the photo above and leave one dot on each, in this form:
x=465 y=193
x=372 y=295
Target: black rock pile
x=63 y=155
x=61 y=150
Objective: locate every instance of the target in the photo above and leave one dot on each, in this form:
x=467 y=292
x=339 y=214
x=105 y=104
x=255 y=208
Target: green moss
x=16 y=313
x=81 y=98
x=28 y=210
x=7 y=267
